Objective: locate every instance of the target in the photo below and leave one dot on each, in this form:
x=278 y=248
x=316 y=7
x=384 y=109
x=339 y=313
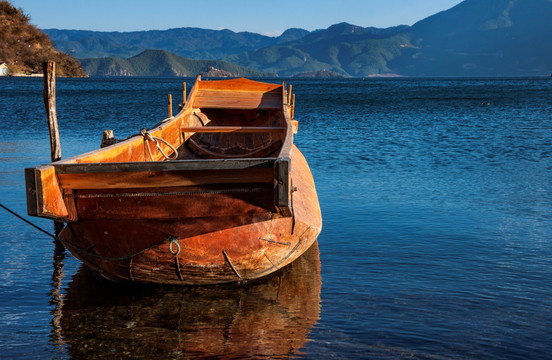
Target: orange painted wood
x=256 y=242
x=240 y=84
x=295 y=125
x=238 y=94
x=175 y=203
x=148 y=179
x=237 y=100
x=48 y=195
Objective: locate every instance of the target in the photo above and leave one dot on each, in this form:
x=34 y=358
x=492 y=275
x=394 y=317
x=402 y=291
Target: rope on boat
x=149 y=137
x=175 y=253
x=125 y=257
x=171 y=239
x=175 y=242
x=28 y=222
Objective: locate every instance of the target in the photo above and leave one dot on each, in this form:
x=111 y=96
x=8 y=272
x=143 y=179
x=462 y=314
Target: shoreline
x=39 y=76
x=26 y=75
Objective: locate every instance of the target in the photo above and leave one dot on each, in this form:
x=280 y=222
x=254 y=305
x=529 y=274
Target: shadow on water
x=270 y=318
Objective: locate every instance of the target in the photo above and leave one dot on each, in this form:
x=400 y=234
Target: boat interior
x=232 y=133
x=229 y=132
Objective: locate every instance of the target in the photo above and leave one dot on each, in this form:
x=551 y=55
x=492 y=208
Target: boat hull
x=195 y=237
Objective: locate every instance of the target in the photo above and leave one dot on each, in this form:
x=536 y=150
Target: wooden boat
x=217 y=193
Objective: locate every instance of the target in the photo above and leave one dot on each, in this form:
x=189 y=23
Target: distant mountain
x=321 y=74
x=161 y=63
x=474 y=38
x=481 y=38
x=342 y=48
x=193 y=43
x=24 y=48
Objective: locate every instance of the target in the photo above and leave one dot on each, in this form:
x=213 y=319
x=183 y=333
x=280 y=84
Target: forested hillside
x=24 y=48
x=161 y=63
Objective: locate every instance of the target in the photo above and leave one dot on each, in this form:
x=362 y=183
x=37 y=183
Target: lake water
x=436 y=198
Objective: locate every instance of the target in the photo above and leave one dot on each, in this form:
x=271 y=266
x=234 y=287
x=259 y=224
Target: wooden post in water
x=49 y=92
x=170 y=105
x=49 y=70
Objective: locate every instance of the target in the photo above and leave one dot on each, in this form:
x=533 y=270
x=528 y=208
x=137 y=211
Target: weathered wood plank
x=237 y=100
x=240 y=84
x=149 y=179
x=183 y=94
x=288 y=102
x=175 y=203
x=282 y=174
x=177 y=165
x=233 y=129
x=48 y=197
x=108 y=138
x=30 y=186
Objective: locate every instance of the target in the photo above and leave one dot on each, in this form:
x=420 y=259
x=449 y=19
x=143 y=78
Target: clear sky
x=269 y=17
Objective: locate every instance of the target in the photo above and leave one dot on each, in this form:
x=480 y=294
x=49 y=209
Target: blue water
x=436 y=198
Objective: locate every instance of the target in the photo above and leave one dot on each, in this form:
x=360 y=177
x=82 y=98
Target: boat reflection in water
x=271 y=317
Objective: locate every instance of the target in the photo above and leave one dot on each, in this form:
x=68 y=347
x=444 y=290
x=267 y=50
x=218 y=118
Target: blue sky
x=267 y=17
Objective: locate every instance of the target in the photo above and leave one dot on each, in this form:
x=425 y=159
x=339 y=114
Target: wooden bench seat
x=232 y=129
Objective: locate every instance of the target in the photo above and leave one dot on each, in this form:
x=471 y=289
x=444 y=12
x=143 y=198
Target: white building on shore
x=3 y=69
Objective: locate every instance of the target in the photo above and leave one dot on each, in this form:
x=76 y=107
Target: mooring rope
x=171 y=239
x=149 y=137
x=28 y=222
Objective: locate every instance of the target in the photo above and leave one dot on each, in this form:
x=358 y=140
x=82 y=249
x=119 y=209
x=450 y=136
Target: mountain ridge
x=502 y=38
x=190 y=42
x=473 y=38
x=161 y=63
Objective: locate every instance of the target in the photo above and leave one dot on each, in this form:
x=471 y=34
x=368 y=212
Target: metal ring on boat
x=173 y=252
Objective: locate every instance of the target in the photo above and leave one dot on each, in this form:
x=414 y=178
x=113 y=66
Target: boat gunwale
x=173 y=165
